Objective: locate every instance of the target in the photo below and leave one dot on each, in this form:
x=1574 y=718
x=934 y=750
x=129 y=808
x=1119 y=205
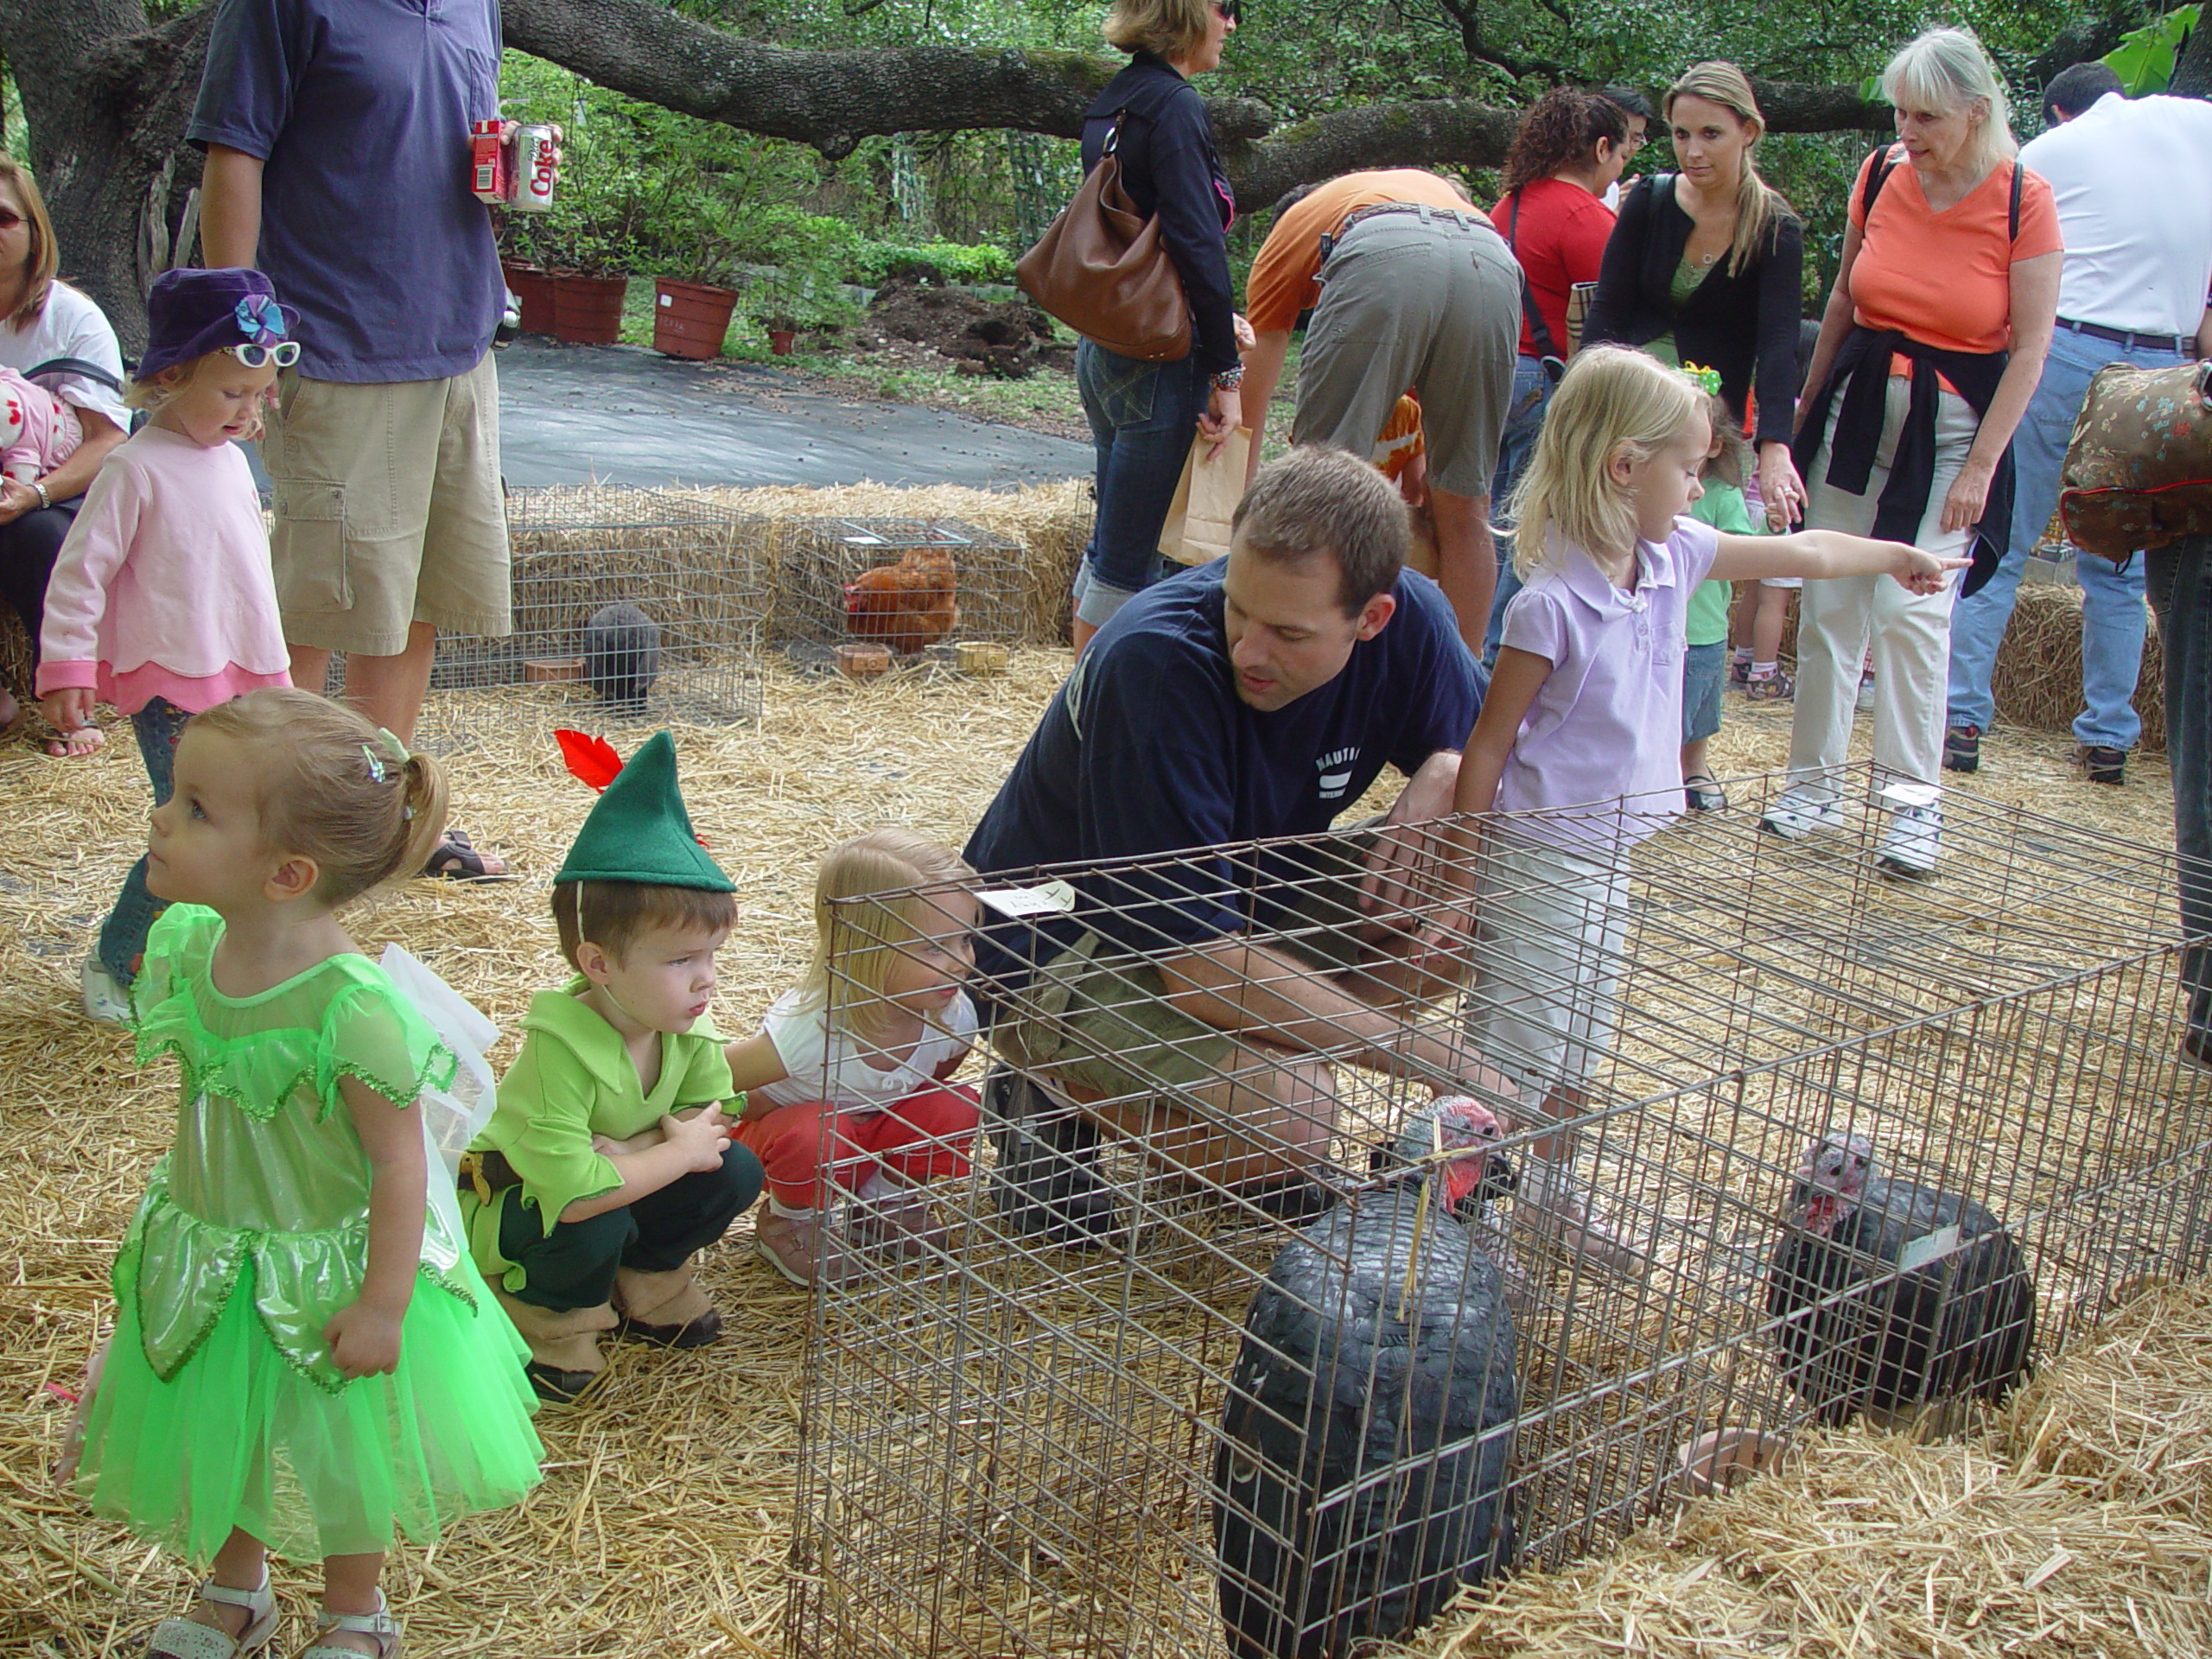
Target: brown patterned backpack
x=2139 y=470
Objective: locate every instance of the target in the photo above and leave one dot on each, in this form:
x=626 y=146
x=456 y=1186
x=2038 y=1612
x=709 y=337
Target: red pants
x=811 y=1146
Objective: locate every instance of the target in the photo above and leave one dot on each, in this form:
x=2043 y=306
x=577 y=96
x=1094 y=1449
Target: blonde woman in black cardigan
x=1705 y=266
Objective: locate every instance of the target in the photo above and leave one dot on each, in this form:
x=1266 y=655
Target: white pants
x=1911 y=633
x=1548 y=958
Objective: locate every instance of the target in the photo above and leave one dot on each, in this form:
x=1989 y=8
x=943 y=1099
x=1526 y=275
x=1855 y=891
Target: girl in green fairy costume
x=291 y=1370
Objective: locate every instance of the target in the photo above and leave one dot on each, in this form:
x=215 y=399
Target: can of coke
x=536 y=159
x=491 y=163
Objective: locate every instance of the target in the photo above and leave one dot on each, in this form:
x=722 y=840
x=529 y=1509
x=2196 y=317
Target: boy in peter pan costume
x=608 y=1163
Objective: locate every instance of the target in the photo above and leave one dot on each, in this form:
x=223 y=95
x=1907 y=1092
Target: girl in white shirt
x=848 y=1103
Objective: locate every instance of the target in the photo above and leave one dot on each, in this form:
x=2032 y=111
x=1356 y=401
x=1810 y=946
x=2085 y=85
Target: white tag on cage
x=451 y=1117
x=1919 y=1253
x=1052 y=899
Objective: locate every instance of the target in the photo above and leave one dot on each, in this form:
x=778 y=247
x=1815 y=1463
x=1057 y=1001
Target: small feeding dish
x=1725 y=1458
x=549 y=671
x=863 y=662
x=977 y=659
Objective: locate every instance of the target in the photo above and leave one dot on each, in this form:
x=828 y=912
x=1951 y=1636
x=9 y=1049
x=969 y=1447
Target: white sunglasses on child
x=284 y=354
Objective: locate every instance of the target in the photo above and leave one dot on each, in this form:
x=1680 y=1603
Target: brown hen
x=908 y=605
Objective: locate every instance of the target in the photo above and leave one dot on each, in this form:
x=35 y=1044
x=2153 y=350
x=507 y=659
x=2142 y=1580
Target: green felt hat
x=638 y=830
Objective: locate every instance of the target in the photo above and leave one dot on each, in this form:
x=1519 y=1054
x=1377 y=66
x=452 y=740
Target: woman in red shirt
x=1932 y=343
x=1567 y=152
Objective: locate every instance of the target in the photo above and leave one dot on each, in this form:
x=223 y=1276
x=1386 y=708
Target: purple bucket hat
x=191 y=313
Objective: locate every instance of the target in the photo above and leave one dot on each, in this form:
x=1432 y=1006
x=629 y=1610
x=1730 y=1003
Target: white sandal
x=180 y=1638
x=379 y=1624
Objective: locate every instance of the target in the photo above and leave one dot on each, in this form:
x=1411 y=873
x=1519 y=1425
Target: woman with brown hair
x=1144 y=415
x=53 y=334
x=1705 y=264
x=1567 y=152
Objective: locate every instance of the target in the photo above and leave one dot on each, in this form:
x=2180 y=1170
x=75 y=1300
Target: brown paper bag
x=1206 y=495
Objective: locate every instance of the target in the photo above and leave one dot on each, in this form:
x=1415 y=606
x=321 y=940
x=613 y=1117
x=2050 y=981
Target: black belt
x=2179 y=345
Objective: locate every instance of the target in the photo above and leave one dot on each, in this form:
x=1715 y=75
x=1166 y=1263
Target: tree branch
x=2193 y=64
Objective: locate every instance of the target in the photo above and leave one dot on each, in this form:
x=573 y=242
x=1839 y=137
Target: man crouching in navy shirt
x=1187 y=998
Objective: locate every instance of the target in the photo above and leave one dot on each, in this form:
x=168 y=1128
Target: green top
x=574 y=1079
x=1723 y=506
x=266 y=1171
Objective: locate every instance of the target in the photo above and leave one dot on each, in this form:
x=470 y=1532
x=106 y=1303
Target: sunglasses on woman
x=284 y=354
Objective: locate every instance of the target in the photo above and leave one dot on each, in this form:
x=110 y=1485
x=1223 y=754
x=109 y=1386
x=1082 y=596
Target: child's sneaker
x=899 y=1225
x=106 y=1003
x=811 y=1249
x=1797 y=812
x=1777 y=686
x=1865 y=702
x=1915 y=836
x=1739 y=673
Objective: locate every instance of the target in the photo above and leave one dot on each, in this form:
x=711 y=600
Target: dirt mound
x=1007 y=338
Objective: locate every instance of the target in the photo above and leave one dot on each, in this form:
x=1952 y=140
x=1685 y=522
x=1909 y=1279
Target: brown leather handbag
x=1101 y=269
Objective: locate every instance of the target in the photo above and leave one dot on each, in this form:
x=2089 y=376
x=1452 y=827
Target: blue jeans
x=122 y=936
x=2112 y=595
x=1532 y=396
x=2180 y=584
x=1143 y=419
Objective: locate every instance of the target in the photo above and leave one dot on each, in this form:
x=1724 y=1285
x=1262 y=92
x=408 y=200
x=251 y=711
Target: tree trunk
x=2193 y=68
x=107 y=98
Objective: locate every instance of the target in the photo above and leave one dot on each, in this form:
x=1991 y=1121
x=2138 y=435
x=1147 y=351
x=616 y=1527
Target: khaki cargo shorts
x=1098 y=1015
x=388 y=509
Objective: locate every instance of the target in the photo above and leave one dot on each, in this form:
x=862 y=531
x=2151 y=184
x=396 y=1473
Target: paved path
x=622 y=415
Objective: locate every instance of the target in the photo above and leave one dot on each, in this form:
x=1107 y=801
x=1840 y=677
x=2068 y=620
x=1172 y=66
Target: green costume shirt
x=1722 y=506
x=572 y=1080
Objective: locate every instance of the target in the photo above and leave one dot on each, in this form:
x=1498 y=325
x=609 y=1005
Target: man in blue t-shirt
x=1252 y=698
x=337 y=136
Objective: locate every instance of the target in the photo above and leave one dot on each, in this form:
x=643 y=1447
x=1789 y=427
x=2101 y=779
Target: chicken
x=1946 y=1308
x=908 y=605
x=1360 y=1478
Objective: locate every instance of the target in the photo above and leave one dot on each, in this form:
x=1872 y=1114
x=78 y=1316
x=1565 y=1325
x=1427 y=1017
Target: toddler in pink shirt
x=38 y=431
x=1578 y=743
x=162 y=601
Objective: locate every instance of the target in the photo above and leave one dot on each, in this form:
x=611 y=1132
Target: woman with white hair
x=1931 y=344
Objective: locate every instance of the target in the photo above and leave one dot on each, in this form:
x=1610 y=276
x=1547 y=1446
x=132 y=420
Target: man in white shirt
x=2133 y=182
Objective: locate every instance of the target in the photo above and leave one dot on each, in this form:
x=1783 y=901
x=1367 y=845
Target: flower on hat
x=259 y=317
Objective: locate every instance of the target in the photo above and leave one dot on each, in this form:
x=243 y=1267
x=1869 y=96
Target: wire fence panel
x=1522 y=1200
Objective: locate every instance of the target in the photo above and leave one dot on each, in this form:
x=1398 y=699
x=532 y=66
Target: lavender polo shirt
x=361 y=111
x=1607 y=723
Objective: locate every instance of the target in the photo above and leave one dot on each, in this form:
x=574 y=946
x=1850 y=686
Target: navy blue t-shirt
x=1147 y=750
x=359 y=111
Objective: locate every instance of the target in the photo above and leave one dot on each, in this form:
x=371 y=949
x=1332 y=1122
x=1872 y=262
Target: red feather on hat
x=594 y=761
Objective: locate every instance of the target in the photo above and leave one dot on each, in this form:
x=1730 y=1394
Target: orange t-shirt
x=1282 y=284
x=1945 y=279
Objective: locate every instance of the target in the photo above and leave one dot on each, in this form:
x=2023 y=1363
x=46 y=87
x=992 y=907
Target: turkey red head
x=1831 y=1177
x=1467 y=1131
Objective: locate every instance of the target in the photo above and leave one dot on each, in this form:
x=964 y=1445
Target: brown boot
x=565 y=1357
x=667 y=1308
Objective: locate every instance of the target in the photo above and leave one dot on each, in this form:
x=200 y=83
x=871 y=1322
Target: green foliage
x=2143 y=60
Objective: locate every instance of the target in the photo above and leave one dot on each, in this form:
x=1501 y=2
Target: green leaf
x=2143 y=60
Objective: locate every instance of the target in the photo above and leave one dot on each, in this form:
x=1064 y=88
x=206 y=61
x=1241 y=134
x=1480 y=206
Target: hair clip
x=398 y=749
x=1706 y=380
x=376 y=766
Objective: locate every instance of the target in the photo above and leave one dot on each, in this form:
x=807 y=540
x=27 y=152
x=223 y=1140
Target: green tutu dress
x=219 y=1405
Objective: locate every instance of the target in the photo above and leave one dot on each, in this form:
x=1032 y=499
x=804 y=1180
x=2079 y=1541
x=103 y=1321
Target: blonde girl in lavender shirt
x=1585 y=713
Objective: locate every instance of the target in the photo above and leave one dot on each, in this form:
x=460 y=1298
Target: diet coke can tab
x=491 y=169
x=537 y=159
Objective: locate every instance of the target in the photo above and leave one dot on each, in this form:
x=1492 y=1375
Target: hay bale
x=2077 y=1527
x=2037 y=680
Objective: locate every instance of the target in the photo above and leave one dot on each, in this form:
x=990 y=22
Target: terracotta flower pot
x=588 y=310
x=690 y=319
x=533 y=288
x=781 y=340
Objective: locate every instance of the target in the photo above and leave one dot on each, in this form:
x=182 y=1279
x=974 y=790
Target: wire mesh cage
x=628 y=604
x=1251 y=1346
x=913 y=585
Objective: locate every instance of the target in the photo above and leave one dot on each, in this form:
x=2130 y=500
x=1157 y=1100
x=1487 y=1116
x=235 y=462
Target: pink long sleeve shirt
x=163 y=587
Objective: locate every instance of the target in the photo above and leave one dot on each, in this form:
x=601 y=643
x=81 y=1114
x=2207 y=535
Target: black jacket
x=1726 y=324
x=1170 y=171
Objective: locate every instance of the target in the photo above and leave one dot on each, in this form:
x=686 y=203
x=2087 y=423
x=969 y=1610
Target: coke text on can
x=536 y=159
